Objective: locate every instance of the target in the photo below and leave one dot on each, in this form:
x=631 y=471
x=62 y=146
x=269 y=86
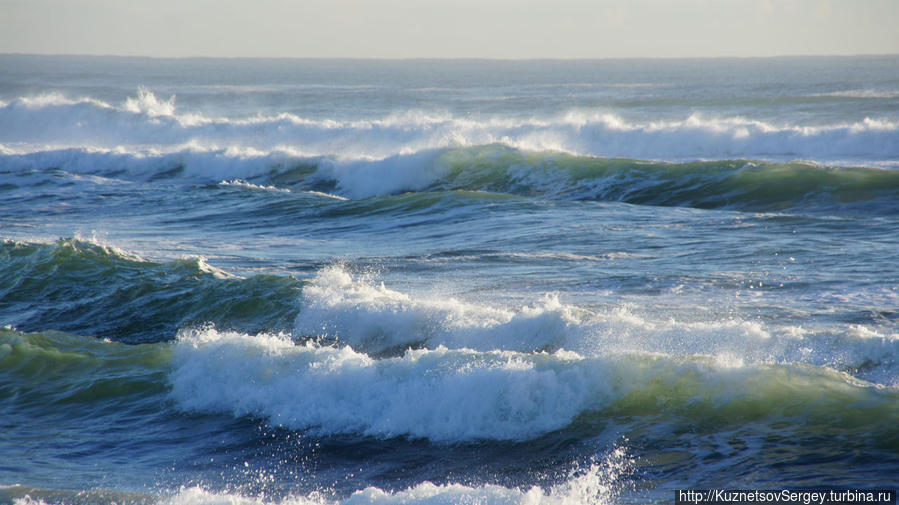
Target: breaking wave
x=726 y=184
x=461 y=395
x=30 y=124
x=358 y=310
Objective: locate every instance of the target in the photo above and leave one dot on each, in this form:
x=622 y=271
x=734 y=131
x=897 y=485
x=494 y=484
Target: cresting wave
x=95 y=289
x=372 y=318
x=445 y=395
x=625 y=366
x=734 y=184
x=29 y=124
x=452 y=396
x=597 y=483
x=83 y=286
x=366 y=359
x=727 y=184
x=430 y=394
x=357 y=310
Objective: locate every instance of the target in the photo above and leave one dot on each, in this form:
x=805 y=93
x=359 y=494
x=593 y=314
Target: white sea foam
x=147 y=103
x=360 y=311
x=371 y=317
x=424 y=393
x=409 y=172
x=33 y=123
x=452 y=396
x=327 y=195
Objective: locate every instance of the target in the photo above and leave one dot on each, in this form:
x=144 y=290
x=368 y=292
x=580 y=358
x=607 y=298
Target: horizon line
x=448 y=58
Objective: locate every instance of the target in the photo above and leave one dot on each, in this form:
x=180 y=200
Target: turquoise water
x=340 y=281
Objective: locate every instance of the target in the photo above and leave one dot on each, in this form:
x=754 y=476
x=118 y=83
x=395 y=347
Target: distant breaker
x=146 y=125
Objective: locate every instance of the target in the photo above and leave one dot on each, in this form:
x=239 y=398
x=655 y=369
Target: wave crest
x=93 y=288
x=343 y=308
x=146 y=120
x=736 y=184
x=370 y=317
x=452 y=396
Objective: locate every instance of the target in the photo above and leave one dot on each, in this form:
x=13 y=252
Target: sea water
x=439 y=281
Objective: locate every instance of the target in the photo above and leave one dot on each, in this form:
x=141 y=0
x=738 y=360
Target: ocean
x=254 y=281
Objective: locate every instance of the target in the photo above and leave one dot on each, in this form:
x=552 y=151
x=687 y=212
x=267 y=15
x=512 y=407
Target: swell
x=736 y=184
x=83 y=287
x=48 y=371
x=732 y=184
x=358 y=358
x=366 y=359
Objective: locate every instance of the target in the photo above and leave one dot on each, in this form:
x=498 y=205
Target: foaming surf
x=358 y=310
x=30 y=124
x=460 y=396
x=367 y=315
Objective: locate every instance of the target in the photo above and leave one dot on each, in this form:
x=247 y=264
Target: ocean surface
x=446 y=282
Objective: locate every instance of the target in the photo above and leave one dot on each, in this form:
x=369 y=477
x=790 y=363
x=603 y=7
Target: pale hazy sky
x=450 y=28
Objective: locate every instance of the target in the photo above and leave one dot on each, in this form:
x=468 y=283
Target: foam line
x=146 y=120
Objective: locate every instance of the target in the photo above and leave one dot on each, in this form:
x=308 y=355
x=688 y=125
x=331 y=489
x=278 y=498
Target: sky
x=450 y=28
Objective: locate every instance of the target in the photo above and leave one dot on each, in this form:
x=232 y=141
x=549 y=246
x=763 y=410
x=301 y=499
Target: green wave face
x=732 y=184
x=57 y=371
x=81 y=287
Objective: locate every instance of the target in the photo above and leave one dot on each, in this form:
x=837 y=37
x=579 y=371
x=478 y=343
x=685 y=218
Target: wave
x=447 y=396
x=87 y=287
x=727 y=184
x=192 y=164
x=423 y=394
x=452 y=396
x=29 y=124
x=733 y=184
x=49 y=371
x=863 y=93
x=370 y=317
x=596 y=484
x=358 y=310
